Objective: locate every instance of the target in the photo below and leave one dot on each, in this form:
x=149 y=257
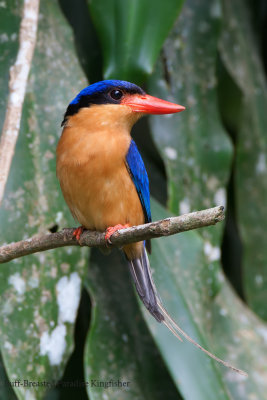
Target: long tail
x=141 y=274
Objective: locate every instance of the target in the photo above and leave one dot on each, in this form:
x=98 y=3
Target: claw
x=112 y=229
x=77 y=233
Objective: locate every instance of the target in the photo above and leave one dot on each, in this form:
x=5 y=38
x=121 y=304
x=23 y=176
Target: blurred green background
x=211 y=57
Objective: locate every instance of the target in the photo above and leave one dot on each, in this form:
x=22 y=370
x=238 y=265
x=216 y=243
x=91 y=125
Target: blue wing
x=137 y=170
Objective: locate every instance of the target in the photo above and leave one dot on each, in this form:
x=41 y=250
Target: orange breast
x=92 y=172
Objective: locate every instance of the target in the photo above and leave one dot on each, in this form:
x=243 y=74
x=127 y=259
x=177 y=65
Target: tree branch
x=17 y=86
x=165 y=227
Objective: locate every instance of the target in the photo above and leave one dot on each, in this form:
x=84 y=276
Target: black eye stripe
x=110 y=95
x=116 y=94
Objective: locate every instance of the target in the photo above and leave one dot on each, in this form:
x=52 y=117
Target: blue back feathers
x=139 y=176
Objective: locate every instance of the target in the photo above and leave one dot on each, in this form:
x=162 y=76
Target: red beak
x=151 y=105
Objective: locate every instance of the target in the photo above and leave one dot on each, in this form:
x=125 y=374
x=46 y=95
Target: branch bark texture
x=17 y=87
x=165 y=227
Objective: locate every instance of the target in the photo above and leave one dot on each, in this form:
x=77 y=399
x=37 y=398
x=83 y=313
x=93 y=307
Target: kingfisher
x=101 y=172
x=103 y=177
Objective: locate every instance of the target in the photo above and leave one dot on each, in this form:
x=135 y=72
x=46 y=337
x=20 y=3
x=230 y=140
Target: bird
x=103 y=177
x=101 y=172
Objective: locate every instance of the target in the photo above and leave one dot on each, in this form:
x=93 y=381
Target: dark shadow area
x=6 y=390
x=231 y=244
x=54 y=228
x=259 y=22
x=229 y=98
x=86 y=41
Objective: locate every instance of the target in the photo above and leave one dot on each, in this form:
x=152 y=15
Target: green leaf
x=243 y=62
x=119 y=346
x=197 y=154
x=221 y=323
x=37 y=319
x=131 y=34
x=194 y=146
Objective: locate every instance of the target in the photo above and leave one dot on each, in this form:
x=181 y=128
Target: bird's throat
x=105 y=117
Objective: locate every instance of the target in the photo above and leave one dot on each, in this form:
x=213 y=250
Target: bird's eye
x=116 y=94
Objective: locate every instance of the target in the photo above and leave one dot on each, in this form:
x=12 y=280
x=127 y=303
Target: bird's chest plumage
x=93 y=176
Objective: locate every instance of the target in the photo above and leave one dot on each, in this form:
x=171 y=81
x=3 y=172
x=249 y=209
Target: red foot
x=113 y=229
x=77 y=233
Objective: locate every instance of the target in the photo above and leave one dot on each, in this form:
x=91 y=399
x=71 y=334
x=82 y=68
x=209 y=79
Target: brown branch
x=165 y=227
x=17 y=86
